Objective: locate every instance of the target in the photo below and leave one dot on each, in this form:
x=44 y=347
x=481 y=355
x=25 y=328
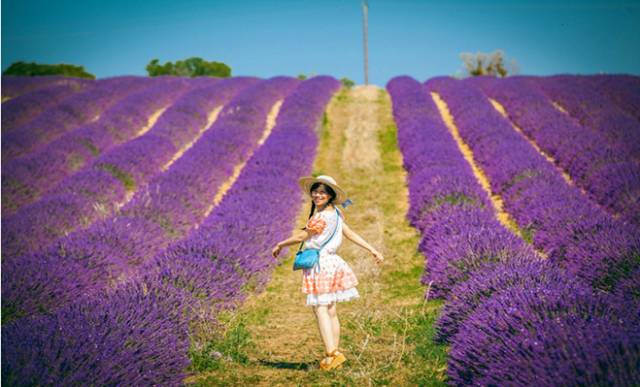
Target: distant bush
x=191 y=67
x=302 y=77
x=346 y=82
x=35 y=69
x=482 y=63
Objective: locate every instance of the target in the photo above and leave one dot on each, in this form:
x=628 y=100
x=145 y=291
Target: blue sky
x=266 y=38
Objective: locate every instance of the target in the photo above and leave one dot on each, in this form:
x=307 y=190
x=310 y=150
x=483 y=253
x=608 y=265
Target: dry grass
x=211 y=118
x=496 y=200
x=386 y=333
x=550 y=159
x=498 y=106
x=271 y=122
x=559 y=107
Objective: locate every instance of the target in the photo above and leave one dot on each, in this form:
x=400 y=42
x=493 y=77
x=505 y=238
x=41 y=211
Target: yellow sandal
x=336 y=360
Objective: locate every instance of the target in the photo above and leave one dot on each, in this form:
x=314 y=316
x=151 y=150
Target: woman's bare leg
x=335 y=323
x=324 y=325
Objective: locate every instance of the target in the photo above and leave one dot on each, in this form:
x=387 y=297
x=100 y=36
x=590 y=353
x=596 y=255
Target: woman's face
x=320 y=196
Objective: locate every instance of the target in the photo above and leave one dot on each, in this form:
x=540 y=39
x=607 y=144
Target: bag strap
x=334 y=232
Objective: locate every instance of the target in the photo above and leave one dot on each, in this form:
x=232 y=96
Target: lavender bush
x=627 y=292
x=146 y=343
x=571 y=229
x=106 y=251
x=179 y=198
x=26 y=178
x=463 y=241
x=25 y=108
x=83 y=262
x=595 y=112
x=605 y=173
x=447 y=204
x=222 y=238
x=468 y=295
x=14 y=86
x=136 y=335
x=623 y=90
x=130 y=166
x=471 y=259
x=547 y=334
x=75 y=111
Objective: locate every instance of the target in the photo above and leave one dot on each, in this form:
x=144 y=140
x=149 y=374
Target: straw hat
x=341 y=196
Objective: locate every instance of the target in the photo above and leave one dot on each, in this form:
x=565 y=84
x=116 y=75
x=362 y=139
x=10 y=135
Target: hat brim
x=307 y=181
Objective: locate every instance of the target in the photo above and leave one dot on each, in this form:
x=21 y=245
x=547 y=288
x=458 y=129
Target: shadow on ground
x=286 y=365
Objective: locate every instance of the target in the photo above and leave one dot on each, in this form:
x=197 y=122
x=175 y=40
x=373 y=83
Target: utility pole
x=365 y=10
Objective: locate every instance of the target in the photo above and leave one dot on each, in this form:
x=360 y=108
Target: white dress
x=335 y=281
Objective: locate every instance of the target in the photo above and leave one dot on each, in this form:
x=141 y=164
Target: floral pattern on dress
x=316 y=225
x=335 y=276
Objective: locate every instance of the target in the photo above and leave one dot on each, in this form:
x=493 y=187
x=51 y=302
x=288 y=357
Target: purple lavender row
x=173 y=203
x=430 y=154
x=515 y=273
x=20 y=110
x=490 y=343
x=85 y=261
x=576 y=234
x=594 y=111
x=460 y=232
x=13 y=86
x=232 y=243
x=137 y=335
x=96 y=190
x=77 y=110
x=25 y=179
x=228 y=143
x=160 y=346
x=532 y=324
x=467 y=364
x=608 y=177
x=623 y=90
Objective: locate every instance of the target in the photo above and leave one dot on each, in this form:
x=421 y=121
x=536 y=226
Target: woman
x=332 y=280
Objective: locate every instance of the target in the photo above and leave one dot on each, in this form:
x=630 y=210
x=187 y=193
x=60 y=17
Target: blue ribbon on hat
x=347 y=203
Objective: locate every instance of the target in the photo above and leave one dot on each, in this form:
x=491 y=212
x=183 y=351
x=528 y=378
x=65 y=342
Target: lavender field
x=135 y=208
x=115 y=239
x=555 y=299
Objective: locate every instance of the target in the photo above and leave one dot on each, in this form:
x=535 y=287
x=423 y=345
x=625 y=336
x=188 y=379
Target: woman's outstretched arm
x=298 y=236
x=357 y=239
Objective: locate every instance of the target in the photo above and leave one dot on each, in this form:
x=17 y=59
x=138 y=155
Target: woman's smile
x=320 y=197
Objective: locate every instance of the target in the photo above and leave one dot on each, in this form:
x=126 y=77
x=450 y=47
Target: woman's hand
x=276 y=251
x=377 y=256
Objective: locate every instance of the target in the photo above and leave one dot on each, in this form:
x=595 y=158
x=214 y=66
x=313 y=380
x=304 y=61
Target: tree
x=346 y=82
x=191 y=67
x=37 y=69
x=482 y=63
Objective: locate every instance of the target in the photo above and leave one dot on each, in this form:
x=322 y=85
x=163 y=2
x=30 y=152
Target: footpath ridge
x=386 y=334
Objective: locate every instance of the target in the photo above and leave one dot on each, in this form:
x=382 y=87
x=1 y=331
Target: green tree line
x=37 y=69
x=191 y=67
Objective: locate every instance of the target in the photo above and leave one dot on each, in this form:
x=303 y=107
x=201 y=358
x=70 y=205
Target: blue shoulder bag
x=310 y=258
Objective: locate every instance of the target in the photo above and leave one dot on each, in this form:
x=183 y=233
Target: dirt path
x=274 y=337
